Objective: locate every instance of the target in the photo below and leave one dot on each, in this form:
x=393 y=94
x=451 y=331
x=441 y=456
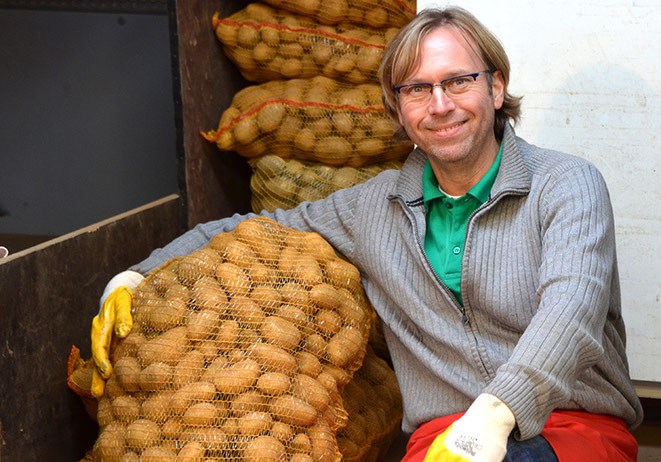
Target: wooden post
x=214 y=183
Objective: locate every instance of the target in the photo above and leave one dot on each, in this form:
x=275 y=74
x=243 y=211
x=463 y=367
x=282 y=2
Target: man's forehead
x=449 y=33
x=440 y=47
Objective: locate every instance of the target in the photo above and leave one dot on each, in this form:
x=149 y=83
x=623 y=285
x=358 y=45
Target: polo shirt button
x=456 y=250
x=448 y=205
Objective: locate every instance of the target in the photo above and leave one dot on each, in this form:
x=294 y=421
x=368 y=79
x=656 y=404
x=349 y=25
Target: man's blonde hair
x=402 y=56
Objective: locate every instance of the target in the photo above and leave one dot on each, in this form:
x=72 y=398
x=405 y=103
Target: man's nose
x=440 y=102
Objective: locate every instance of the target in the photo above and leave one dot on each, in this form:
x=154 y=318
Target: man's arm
x=188 y=242
x=329 y=217
x=578 y=264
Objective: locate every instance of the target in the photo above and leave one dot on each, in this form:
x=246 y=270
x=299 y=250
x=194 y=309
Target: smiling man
x=490 y=262
x=523 y=238
x=452 y=121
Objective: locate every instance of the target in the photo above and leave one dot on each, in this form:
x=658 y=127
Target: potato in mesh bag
x=239 y=351
x=285 y=183
x=317 y=119
x=267 y=43
x=372 y=13
x=374 y=406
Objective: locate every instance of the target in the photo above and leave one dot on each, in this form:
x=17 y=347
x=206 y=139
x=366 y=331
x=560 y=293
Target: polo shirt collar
x=513 y=174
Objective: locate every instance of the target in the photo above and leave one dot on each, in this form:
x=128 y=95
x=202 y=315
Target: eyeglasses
x=421 y=92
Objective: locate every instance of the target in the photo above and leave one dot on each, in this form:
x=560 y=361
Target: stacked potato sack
x=373 y=13
x=374 y=406
x=317 y=119
x=268 y=44
x=239 y=352
x=284 y=183
x=318 y=99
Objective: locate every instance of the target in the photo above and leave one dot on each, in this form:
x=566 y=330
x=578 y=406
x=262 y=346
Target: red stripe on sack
x=257 y=26
x=209 y=137
x=406 y=7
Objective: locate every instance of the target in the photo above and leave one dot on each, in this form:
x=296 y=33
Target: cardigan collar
x=513 y=175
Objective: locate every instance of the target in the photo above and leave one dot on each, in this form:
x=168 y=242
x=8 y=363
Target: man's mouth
x=446 y=129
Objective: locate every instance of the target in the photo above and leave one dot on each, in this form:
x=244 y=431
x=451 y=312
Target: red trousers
x=573 y=435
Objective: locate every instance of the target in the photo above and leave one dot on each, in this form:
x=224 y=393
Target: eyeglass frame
x=441 y=84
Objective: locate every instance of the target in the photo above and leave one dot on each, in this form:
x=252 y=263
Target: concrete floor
x=648 y=436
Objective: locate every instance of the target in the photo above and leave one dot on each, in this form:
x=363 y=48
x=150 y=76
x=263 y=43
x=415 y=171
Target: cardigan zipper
x=483 y=209
x=464 y=316
x=466 y=320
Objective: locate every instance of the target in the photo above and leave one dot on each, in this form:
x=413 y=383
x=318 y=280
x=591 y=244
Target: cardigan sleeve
x=578 y=264
x=331 y=217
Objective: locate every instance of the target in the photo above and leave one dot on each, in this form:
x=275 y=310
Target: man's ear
x=399 y=115
x=498 y=89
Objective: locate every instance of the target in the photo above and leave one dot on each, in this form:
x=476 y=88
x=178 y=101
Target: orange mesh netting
x=79 y=379
x=239 y=351
x=374 y=405
x=372 y=13
x=284 y=183
x=270 y=44
x=316 y=119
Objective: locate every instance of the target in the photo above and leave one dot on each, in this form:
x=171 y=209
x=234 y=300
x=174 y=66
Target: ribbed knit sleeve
x=187 y=243
x=330 y=217
x=564 y=336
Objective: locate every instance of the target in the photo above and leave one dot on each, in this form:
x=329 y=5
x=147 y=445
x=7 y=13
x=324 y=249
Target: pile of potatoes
x=239 y=351
x=267 y=43
x=374 y=405
x=317 y=99
x=317 y=119
x=372 y=13
x=284 y=183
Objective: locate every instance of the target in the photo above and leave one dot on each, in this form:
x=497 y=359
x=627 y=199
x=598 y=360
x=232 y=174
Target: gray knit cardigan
x=541 y=327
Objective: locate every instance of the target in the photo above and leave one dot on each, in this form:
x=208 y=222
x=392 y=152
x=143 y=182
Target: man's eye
x=418 y=88
x=459 y=82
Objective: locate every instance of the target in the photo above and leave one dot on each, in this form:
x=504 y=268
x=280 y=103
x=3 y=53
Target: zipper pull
x=465 y=318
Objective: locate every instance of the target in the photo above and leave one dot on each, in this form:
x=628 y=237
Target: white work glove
x=114 y=316
x=480 y=435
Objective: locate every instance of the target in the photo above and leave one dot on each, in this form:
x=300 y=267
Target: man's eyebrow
x=455 y=73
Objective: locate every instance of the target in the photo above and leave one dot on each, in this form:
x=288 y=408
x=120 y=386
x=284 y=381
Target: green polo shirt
x=446 y=223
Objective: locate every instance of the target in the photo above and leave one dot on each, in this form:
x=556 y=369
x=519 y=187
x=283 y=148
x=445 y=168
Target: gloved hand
x=114 y=315
x=480 y=435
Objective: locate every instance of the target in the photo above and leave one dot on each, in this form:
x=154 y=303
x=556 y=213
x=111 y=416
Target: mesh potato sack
x=284 y=183
x=374 y=405
x=239 y=352
x=317 y=119
x=79 y=379
x=271 y=44
x=377 y=342
x=372 y=13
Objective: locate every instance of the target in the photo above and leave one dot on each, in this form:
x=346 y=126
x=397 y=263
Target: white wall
x=590 y=74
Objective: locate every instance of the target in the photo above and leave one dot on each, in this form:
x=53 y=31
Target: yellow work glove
x=114 y=316
x=480 y=435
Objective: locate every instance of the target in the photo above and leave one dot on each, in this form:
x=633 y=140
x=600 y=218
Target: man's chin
x=450 y=153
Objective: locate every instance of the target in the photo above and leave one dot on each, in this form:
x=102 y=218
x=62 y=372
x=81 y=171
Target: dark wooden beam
x=214 y=183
